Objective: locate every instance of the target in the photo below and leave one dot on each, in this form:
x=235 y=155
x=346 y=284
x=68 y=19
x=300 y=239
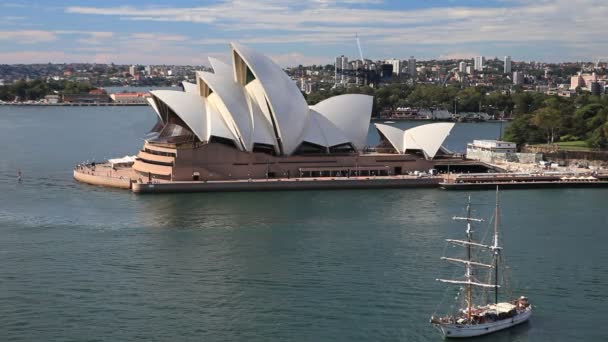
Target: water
x=82 y=263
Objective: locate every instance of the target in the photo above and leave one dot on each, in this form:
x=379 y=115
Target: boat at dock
x=478 y=310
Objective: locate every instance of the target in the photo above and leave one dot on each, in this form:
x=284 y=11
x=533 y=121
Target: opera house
x=248 y=120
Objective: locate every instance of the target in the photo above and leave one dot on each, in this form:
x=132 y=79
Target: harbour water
x=82 y=263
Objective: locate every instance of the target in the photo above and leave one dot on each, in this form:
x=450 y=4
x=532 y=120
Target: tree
x=548 y=119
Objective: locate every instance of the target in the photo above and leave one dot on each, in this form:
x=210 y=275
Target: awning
x=123 y=160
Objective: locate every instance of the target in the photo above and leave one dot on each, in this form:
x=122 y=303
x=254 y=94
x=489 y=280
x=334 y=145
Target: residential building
x=478 y=63
x=507 y=65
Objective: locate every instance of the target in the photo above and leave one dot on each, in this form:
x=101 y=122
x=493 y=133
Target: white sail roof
x=153 y=105
x=216 y=126
x=251 y=100
x=427 y=138
x=321 y=131
x=394 y=135
x=190 y=87
x=188 y=106
x=230 y=99
x=288 y=109
x=351 y=113
x=221 y=68
x=202 y=118
x=262 y=128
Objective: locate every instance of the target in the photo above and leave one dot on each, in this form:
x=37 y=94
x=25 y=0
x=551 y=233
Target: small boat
x=478 y=311
x=389 y=122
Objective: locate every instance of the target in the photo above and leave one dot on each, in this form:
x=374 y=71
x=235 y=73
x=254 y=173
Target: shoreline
x=124 y=178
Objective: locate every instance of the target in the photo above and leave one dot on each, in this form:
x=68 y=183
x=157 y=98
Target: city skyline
x=292 y=32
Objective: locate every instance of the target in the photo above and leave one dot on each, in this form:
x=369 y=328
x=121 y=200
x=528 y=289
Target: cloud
x=28 y=36
x=158 y=37
x=500 y=27
x=297 y=58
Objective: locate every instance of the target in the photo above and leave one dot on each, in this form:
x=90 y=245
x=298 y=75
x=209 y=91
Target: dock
x=523 y=181
x=125 y=178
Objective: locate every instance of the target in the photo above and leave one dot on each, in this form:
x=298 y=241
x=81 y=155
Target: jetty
x=105 y=174
x=524 y=181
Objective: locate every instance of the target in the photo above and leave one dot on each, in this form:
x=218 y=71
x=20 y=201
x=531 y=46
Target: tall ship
x=480 y=310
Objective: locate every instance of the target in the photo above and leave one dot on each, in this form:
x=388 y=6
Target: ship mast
x=469 y=272
x=469 y=243
x=496 y=249
x=468 y=265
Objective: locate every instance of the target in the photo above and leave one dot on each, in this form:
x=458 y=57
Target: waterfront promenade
x=125 y=178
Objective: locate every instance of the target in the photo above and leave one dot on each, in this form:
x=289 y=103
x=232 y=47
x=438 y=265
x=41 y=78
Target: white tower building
x=478 y=63
x=507 y=68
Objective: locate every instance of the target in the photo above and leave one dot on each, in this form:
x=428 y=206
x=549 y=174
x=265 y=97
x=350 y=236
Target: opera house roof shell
x=251 y=102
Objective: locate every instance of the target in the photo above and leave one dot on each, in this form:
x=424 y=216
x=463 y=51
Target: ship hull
x=463 y=331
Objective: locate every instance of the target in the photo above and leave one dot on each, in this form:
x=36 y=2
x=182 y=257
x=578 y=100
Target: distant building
x=582 y=80
x=518 y=78
x=52 y=99
x=132 y=70
x=411 y=67
x=396 y=65
x=492 y=145
x=462 y=67
x=507 y=66
x=469 y=69
x=386 y=71
x=596 y=88
x=340 y=66
x=478 y=63
x=98 y=91
x=85 y=98
x=148 y=70
x=130 y=98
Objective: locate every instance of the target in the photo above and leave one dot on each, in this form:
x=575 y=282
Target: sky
x=296 y=32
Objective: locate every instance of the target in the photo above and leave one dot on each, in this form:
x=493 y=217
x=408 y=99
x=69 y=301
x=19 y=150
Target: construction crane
x=359 y=47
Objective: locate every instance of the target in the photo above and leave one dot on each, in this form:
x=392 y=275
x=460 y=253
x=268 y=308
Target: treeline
x=37 y=89
x=471 y=99
x=581 y=118
x=537 y=118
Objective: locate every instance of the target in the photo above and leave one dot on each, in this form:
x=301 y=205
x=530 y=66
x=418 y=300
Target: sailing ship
x=478 y=313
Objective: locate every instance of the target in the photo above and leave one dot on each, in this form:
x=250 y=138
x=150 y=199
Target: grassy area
x=578 y=145
x=573 y=145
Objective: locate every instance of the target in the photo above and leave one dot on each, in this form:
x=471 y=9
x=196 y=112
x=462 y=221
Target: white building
x=396 y=65
x=462 y=67
x=132 y=70
x=492 y=145
x=341 y=65
x=478 y=63
x=518 y=78
x=507 y=67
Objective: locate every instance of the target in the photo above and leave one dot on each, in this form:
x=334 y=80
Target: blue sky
x=299 y=31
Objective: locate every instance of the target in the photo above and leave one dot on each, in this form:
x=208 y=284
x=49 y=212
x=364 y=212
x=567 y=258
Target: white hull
x=461 y=330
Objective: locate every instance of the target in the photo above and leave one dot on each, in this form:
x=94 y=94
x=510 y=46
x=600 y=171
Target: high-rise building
x=507 y=68
x=518 y=78
x=411 y=66
x=396 y=65
x=462 y=67
x=596 y=88
x=469 y=69
x=132 y=70
x=341 y=65
x=478 y=63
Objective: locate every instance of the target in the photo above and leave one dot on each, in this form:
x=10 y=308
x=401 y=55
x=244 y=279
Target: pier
x=124 y=178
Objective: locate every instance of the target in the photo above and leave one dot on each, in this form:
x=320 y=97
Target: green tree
x=548 y=119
